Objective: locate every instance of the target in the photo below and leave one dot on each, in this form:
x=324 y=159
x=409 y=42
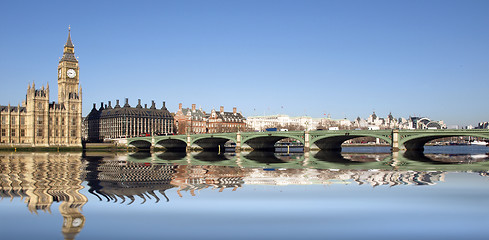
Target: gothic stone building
x=109 y=122
x=39 y=122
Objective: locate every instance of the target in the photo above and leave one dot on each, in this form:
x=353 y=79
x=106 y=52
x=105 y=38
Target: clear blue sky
x=344 y=58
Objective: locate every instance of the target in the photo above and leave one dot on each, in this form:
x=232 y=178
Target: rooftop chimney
x=145 y=105
x=153 y=105
x=193 y=107
x=94 y=105
x=110 y=105
x=139 y=104
x=127 y=103
x=222 y=109
x=234 y=110
x=164 y=105
x=180 y=106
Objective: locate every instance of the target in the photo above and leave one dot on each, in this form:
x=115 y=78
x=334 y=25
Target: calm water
x=362 y=193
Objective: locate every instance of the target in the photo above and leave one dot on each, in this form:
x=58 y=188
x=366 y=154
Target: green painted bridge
x=329 y=140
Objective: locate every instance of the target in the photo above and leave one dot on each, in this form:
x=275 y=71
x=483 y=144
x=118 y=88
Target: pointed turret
x=68 y=41
x=69 y=50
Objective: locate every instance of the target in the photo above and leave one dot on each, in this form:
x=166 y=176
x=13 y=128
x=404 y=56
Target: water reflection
x=446 y=158
x=41 y=179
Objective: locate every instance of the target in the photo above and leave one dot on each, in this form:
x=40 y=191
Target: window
x=62 y=121
x=22 y=132
x=4 y=120
x=73 y=133
x=39 y=132
x=39 y=120
x=13 y=120
x=73 y=122
x=4 y=133
x=13 y=132
x=22 y=120
x=57 y=133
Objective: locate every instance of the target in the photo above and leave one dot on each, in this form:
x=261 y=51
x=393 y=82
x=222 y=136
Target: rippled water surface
x=358 y=194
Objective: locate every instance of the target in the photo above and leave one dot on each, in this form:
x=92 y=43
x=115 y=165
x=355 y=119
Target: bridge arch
x=140 y=144
x=210 y=143
x=416 y=141
x=172 y=144
x=332 y=142
x=267 y=140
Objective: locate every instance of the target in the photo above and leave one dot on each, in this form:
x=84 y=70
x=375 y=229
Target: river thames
x=361 y=193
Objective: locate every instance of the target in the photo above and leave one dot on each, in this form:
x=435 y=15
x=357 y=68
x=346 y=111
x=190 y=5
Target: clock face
x=71 y=73
x=77 y=222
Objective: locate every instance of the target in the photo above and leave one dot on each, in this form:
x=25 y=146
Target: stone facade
x=39 y=122
x=196 y=121
x=109 y=122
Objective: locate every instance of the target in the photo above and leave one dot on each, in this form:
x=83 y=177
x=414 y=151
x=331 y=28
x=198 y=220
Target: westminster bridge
x=328 y=140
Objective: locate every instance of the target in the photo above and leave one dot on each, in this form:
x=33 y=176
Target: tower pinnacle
x=68 y=42
x=69 y=49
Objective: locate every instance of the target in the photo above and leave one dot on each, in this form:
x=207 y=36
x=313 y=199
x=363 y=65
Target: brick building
x=196 y=121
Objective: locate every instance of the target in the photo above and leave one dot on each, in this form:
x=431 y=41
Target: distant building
x=192 y=121
x=196 y=121
x=483 y=125
x=39 y=122
x=109 y=122
x=221 y=121
x=261 y=123
x=373 y=122
x=422 y=123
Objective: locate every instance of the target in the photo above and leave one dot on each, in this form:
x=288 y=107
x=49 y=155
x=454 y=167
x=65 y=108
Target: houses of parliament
x=41 y=123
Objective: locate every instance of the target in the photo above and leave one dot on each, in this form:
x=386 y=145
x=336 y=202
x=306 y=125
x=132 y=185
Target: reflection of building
x=41 y=123
x=195 y=121
x=126 y=121
x=324 y=176
x=119 y=179
x=41 y=180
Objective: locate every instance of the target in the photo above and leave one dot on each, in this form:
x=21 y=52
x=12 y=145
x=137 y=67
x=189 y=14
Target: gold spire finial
x=69 y=28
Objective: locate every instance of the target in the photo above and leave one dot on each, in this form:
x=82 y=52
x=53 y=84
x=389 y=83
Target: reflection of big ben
x=43 y=179
x=73 y=220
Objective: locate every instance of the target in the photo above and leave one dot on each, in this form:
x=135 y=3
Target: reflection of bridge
x=324 y=140
x=416 y=161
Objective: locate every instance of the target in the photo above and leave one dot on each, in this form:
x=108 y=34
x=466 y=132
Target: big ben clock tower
x=69 y=93
x=68 y=73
